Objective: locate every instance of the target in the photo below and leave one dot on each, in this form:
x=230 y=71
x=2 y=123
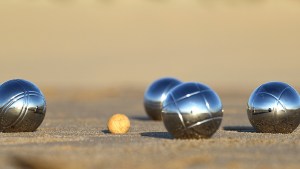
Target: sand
x=95 y=58
x=74 y=135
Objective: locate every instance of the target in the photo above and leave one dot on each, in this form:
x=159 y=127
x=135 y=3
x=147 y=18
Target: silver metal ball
x=192 y=110
x=274 y=107
x=156 y=94
x=22 y=106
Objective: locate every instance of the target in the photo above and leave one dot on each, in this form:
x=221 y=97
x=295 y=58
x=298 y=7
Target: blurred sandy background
x=113 y=49
x=96 y=43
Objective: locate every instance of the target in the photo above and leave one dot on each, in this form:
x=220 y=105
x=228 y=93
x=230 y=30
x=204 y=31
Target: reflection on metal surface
x=274 y=107
x=22 y=106
x=192 y=110
x=156 y=94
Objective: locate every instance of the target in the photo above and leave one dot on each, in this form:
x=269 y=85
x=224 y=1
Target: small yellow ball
x=118 y=124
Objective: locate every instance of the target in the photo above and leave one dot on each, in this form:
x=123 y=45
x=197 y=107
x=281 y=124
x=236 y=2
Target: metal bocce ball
x=274 y=107
x=22 y=106
x=192 y=110
x=156 y=94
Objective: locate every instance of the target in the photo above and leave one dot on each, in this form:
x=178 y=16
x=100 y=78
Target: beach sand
x=95 y=58
x=74 y=135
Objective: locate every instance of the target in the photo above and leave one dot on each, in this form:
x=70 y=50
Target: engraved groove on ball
x=22 y=106
x=198 y=110
x=179 y=112
x=274 y=107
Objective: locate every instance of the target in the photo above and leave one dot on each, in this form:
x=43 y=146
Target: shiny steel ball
x=274 y=107
x=192 y=111
x=22 y=106
x=156 y=94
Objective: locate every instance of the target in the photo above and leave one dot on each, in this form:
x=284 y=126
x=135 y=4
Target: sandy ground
x=94 y=58
x=74 y=135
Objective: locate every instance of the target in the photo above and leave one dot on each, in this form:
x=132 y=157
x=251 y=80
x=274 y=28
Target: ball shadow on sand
x=248 y=129
x=106 y=131
x=141 y=118
x=162 y=135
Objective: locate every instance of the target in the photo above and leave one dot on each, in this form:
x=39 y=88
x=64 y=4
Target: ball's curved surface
x=156 y=94
x=22 y=106
x=274 y=107
x=192 y=110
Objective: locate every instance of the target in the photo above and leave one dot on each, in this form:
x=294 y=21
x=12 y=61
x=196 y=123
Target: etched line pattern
x=18 y=97
x=178 y=111
x=186 y=96
x=192 y=94
x=209 y=110
x=24 y=105
x=207 y=106
x=280 y=95
x=24 y=108
x=204 y=121
x=38 y=92
x=277 y=99
x=279 y=102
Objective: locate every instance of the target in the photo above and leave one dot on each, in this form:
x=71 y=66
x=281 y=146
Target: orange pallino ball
x=118 y=124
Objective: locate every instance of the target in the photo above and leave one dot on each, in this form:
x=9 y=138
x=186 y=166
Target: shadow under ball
x=274 y=107
x=192 y=111
x=22 y=106
x=155 y=95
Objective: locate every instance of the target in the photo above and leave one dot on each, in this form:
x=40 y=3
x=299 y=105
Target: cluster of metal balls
x=194 y=110
x=188 y=110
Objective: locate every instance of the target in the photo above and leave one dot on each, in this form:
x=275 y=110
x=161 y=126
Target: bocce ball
x=156 y=94
x=274 y=107
x=192 y=111
x=22 y=106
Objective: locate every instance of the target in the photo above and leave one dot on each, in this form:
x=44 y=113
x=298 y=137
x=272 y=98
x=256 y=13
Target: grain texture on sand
x=74 y=135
